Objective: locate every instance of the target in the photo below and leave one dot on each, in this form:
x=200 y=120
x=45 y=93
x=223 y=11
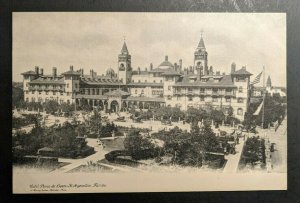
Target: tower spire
x=124 y=49
x=201 y=44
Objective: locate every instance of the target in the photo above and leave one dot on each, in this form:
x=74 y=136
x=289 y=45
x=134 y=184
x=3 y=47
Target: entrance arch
x=114 y=106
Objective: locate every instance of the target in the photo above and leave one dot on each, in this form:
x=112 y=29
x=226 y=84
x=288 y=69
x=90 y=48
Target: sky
x=94 y=40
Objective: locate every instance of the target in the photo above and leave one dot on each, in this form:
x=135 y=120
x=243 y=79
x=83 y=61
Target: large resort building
x=169 y=84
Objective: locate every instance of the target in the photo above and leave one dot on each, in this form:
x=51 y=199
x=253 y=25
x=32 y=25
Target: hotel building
x=169 y=84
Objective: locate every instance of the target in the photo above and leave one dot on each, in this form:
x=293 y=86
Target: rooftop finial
x=201 y=32
x=124 y=38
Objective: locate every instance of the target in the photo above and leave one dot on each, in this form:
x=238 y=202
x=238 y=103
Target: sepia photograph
x=147 y=102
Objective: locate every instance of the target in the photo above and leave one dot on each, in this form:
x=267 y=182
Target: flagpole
x=263 y=106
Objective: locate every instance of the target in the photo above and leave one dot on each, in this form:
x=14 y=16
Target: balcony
x=178 y=93
x=229 y=94
x=46 y=89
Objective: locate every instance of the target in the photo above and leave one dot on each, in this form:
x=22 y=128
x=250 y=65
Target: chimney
x=218 y=73
x=151 y=66
x=54 y=71
x=146 y=69
x=180 y=64
x=166 y=58
x=71 y=68
x=211 y=70
x=244 y=67
x=139 y=70
x=224 y=73
x=42 y=71
x=81 y=72
x=233 y=66
x=37 y=70
x=176 y=66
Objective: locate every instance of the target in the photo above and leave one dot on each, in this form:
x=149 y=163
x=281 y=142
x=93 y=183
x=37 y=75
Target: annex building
x=168 y=84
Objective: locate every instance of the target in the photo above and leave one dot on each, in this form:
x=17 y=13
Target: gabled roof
x=242 y=71
x=101 y=80
x=171 y=72
x=226 y=81
x=48 y=80
x=71 y=72
x=29 y=73
x=142 y=72
x=117 y=92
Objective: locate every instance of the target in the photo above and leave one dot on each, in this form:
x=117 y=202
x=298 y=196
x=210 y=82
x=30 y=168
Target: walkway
x=234 y=159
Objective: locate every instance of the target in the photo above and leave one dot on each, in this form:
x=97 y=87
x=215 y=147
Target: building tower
x=71 y=79
x=124 y=65
x=200 y=58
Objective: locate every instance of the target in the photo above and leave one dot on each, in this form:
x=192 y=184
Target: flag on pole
x=257 y=79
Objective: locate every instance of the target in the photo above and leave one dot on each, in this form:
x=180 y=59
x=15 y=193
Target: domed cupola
x=166 y=64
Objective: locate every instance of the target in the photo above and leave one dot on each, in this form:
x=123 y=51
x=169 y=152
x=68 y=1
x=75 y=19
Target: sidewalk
x=233 y=160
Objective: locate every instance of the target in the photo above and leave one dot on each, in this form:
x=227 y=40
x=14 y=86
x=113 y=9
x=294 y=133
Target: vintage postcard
x=148 y=102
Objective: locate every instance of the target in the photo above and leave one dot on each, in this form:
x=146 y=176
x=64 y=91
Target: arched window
x=240 y=111
x=122 y=67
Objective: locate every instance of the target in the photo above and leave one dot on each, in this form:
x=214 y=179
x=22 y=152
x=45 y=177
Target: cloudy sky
x=94 y=40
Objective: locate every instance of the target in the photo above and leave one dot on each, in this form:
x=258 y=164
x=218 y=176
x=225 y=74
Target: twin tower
x=125 y=69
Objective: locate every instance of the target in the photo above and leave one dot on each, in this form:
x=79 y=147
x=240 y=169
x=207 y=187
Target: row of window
x=49 y=93
x=214 y=99
x=154 y=81
x=46 y=99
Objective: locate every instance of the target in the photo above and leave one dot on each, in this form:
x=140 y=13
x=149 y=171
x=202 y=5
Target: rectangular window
x=54 y=93
x=145 y=81
x=169 y=87
x=228 y=99
x=240 y=89
x=61 y=93
x=68 y=85
x=153 y=81
x=240 y=100
x=215 y=99
x=190 y=98
x=201 y=98
x=32 y=92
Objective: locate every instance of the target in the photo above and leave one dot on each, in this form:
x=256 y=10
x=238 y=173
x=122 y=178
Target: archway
x=114 y=106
